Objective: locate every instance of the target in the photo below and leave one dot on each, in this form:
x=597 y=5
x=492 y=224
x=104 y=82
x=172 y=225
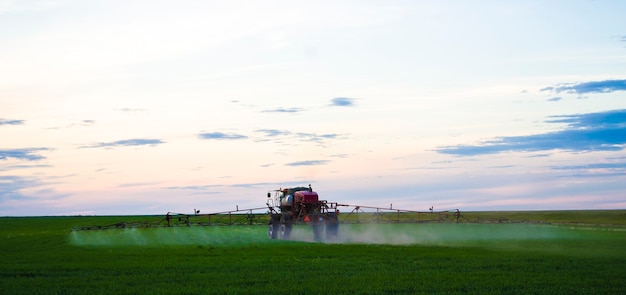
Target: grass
x=593 y=217
x=41 y=255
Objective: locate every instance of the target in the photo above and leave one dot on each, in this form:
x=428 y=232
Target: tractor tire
x=285 y=231
x=285 y=227
x=332 y=227
x=318 y=230
x=274 y=227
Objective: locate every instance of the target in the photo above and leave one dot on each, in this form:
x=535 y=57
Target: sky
x=148 y=107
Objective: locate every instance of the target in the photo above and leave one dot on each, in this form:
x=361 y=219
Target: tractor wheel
x=318 y=229
x=285 y=227
x=332 y=227
x=285 y=231
x=274 y=227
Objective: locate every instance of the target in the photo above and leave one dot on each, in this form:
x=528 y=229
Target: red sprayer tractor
x=287 y=207
x=301 y=205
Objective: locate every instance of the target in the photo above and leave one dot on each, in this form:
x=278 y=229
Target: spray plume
x=392 y=234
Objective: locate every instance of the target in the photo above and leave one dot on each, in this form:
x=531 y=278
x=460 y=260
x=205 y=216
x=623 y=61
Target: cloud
x=22 y=154
x=15 y=167
x=538 y=156
x=274 y=132
x=82 y=123
x=594 y=170
x=316 y=137
x=126 y=142
x=614 y=118
x=137 y=184
x=11 y=185
x=283 y=110
x=606 y=86
x=220 y=135
x=299 y=136
x=555 y=98
x=308 y=163
x=12 y=189
x=11 y=122
x=335 y=102
x=603 y=131
x=613 y=166
x=342 y=102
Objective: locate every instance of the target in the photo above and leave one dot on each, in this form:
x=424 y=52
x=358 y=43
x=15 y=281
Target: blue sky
x=145 y=107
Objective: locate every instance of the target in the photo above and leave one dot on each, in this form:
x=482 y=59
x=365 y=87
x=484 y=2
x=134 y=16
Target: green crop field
x=551 y=252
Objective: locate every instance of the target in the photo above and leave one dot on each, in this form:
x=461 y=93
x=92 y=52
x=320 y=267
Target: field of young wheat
x=42 y=255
